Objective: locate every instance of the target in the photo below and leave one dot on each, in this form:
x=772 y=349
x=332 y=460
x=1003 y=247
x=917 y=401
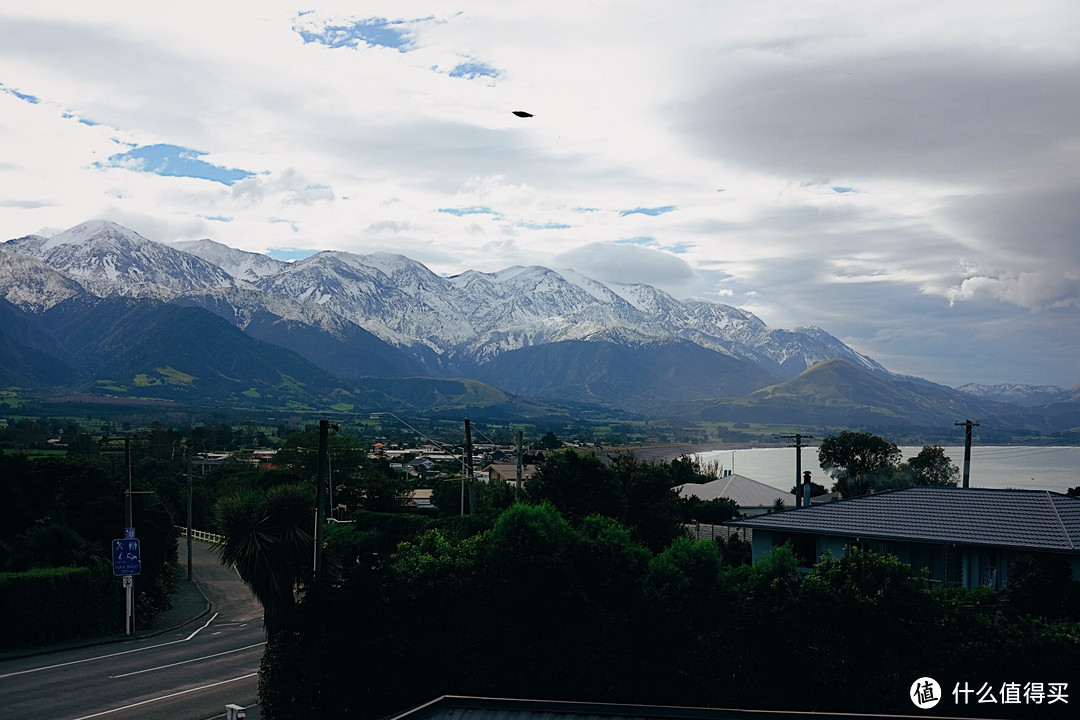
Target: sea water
x=992 y=466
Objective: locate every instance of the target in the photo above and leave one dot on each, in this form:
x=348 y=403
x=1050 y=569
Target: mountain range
x=99 y=309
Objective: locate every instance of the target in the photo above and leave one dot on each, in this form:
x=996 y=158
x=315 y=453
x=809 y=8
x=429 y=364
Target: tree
x=652 y=508
x=859 y=462
x=1042 y=585
x=268 y=539
x=931 y=467
x=577 y=485
x=550 y=442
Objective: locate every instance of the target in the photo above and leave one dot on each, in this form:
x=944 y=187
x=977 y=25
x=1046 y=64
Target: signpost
x=126 y=556
x=127 y=562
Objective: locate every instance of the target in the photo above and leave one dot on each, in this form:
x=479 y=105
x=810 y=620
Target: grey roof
x=1026 y=519
x=743 y=490
x=451 y=707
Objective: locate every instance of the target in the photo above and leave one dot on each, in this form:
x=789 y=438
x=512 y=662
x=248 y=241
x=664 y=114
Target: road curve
x=189 y=673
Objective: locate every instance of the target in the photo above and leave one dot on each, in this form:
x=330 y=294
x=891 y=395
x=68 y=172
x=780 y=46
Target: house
x=507 y=472
x=753 y=497
x=420 y=498
x=960 y=536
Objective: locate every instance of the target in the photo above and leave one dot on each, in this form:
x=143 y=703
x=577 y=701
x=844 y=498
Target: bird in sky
x=522 y=114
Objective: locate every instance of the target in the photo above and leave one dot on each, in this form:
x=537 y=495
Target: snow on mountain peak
x=92 y=231
x=470 y=317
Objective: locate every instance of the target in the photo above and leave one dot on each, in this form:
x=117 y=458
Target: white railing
x=202 y=535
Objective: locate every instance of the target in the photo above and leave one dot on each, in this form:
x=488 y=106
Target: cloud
x=628 y=264
x=1029 y=290
x=884 y=169
x=288 y=188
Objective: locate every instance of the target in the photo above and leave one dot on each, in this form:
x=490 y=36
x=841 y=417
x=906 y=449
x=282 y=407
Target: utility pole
x=967 y=447
x=129 y=532
x=469 y=469
x=517 y=488
x=189 y=519
x=799 y=489
x=320 y=492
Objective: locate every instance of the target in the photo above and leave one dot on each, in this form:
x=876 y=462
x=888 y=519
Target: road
x=187 y=674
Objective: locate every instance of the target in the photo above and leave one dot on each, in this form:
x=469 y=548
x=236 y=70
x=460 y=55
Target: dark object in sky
x=522 y=113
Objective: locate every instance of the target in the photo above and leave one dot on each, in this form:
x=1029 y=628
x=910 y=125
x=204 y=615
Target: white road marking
x=185 y=662
x=111 y=655
x=166 y=697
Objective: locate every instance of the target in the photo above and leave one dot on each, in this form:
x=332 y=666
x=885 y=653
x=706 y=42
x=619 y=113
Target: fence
x=202 y=535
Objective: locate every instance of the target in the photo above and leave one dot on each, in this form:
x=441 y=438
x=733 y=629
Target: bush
x=53 y=604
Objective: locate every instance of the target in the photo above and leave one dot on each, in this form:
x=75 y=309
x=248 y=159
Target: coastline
x=674 y=451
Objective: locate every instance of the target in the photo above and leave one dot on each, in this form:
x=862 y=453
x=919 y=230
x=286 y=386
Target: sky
x=904 y=176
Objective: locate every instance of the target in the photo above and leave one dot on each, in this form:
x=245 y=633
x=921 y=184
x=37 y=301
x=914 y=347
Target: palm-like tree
x=268 y=540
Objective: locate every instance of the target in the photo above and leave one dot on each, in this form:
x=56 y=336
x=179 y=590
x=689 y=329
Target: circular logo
x=925 y=693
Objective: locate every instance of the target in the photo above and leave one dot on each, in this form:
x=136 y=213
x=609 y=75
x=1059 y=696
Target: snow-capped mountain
x=109 y=259
x=242 y=265
x=29 y=283
x=1023 y=395
x=389 y=316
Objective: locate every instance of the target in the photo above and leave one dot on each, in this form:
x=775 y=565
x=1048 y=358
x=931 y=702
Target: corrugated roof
x=1027 y=519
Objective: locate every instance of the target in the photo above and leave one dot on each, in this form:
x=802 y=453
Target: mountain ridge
x=354 y=322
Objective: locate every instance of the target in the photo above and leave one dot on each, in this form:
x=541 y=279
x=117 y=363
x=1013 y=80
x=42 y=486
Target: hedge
x=55 y=604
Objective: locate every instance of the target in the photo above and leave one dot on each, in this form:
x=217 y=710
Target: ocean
x=993 y=466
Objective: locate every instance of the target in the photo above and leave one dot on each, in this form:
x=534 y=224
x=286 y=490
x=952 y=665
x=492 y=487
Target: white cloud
x=287 y=188
x=629 y=264
x=817 y=163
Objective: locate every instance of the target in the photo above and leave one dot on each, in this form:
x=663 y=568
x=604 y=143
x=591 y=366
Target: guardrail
x=202 y=535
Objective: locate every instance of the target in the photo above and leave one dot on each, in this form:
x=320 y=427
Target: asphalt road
x=190 y=673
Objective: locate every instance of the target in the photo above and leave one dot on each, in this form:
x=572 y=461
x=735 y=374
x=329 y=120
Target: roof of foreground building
x=1036 y=520
x=451 y=707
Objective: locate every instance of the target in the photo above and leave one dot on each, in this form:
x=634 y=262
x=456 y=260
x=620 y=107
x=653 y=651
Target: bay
x=1053 y=468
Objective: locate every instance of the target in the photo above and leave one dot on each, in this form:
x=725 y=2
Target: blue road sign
x=126 y=557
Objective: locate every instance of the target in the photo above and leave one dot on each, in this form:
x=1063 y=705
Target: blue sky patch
x=22 y=96
x=640 y=240
x=76 y=118
x=470 y=210
x=544 y=226
x=376 y=32
x=654 y=211
x=174 y=161
x=472 y=70
x=841 y=190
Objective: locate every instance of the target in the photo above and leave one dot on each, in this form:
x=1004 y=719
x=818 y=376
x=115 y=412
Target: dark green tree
x=859 y=462
x=577 y=486
x=931 y=467
x=1042 y=585
x=268 y=539
x=652 y=509
x=549 y=441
